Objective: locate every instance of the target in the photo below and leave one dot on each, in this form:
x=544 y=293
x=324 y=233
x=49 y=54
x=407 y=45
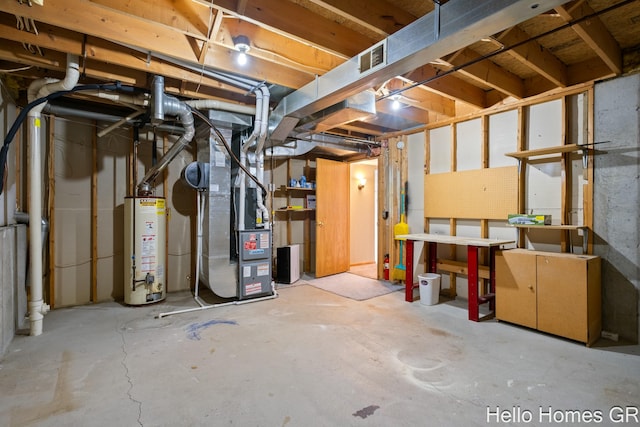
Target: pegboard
x=475 y=194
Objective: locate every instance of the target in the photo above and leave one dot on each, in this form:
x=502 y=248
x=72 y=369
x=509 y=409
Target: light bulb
x=242 y=58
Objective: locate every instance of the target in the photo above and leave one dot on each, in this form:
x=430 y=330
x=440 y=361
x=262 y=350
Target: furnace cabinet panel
x=557 y=293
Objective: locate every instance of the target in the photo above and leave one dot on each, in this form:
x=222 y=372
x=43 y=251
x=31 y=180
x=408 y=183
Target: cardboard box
x=523 y=219
x=311 y=201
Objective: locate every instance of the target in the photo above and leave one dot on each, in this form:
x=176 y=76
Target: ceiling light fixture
x=242 y=45
x=396 y=102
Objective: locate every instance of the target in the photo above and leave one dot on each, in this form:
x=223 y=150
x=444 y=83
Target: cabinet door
x=516 y=287
x=562 y=296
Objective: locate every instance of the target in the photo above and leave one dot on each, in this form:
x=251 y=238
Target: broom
x=399 y=271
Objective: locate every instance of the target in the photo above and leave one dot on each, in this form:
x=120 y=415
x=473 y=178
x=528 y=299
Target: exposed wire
x=23 y=115
x=13 y=70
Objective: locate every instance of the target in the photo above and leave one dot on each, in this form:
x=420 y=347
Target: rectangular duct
x=457 y=23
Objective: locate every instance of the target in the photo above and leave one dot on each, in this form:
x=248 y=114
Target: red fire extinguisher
x=386 y=267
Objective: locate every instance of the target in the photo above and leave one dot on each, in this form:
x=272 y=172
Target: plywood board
x=476 y=194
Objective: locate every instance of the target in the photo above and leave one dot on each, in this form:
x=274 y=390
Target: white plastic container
x=429 y=288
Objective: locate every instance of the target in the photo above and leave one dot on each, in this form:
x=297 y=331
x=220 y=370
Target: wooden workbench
x=473 y=244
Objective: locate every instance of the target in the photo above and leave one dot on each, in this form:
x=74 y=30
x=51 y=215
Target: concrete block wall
x=13 y=295
x=616 y=202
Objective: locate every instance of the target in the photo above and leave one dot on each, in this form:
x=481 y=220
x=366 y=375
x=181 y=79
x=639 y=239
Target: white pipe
x=206 y=307
x=213 y=104
x=38 y=89
x=242 y=191
x=141 y=100
x=260 y=154
x=243 y=161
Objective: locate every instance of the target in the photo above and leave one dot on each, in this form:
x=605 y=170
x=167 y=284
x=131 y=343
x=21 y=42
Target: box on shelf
x=311 y=201
x=523 y=219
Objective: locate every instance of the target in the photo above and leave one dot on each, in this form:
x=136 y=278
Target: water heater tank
x=144 y=250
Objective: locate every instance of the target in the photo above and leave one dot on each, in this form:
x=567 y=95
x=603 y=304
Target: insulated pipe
x=213 y=104
x=243 y=161
x=166 y=104
x=40 y=88
x=260 y=153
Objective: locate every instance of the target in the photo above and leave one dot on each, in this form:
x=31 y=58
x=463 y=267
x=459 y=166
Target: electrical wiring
x=117 y=86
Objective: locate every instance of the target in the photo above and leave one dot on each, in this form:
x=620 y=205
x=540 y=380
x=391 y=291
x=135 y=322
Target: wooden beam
x=183 y=16
x=595 y=34
x=487 y=73
x=533 y=55
x=84 y=17
x=449 y=86
x=371 y=14
x=292 y=20
x=276 y=48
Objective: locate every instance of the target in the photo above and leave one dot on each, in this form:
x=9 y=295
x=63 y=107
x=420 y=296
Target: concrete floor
x=307 y=358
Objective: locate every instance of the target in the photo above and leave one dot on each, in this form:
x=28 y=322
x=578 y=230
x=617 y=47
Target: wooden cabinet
x=557 y=293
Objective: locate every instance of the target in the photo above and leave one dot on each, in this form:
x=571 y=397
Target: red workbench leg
x=408 y=278
x=433 y=257
x=472 y=268
x=492 y=276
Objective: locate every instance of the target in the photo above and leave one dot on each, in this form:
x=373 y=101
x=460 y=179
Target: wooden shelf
x=298 y=189
x=550 y=227
x=295 y=210
x=546 y=151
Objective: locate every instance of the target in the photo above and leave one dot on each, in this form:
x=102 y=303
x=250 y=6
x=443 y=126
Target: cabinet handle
x=530 y=287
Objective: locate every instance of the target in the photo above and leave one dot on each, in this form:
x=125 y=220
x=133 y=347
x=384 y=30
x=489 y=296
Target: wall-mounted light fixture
x=361 y=183
x=242 y=45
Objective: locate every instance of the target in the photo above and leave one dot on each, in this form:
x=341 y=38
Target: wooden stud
x=588 y=193
x=131 y=166
x=522 y=169
x=565 y=180
x=427 y=168
x=94 y=214
x=18 y=145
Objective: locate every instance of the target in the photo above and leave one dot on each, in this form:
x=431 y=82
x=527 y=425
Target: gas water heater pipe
x=162 y=104
x=38 y=89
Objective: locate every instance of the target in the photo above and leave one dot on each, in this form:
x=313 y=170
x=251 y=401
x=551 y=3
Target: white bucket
x=429 y=288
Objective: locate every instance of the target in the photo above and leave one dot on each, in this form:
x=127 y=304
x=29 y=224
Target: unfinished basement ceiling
x=293 y=42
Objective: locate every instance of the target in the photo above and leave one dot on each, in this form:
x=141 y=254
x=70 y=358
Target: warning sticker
x=246 y=271
x=263 y=269
x=252 y=288
x=264 y=240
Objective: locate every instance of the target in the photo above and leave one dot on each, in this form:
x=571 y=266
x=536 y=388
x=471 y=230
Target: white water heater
x=144 y=250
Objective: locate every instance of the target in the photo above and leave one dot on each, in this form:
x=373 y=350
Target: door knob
x=320 y=223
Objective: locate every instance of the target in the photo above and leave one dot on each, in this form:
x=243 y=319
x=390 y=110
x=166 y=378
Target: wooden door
x=332 y=217
x=516 y=287
x=562 y=296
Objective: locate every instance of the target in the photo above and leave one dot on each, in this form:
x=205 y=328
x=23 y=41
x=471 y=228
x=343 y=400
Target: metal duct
x=450 y=27
x=358 y=107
